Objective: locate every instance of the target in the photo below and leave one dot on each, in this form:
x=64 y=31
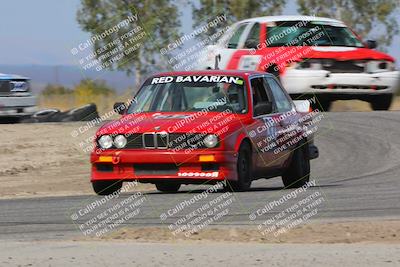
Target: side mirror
x=120 y=107
x=251 y=44
x=302 y=106
x=262 y=109
x=372 y=44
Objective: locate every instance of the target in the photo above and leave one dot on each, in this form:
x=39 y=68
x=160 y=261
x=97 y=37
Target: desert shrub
x=54 y=89
x=86 y=91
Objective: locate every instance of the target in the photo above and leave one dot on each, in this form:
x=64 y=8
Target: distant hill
x=41 y=75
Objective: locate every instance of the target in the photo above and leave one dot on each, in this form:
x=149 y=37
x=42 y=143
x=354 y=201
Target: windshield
x=310 y=33
x=191 y=93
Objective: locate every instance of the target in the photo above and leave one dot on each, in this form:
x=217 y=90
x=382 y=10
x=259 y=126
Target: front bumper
x=324 y=82
x=146 y=165
x=17 y=105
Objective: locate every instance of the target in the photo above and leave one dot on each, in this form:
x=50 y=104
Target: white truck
x=16 y=98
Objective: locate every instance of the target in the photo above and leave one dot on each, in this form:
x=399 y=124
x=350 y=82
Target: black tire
x=381 y=102
x=103 y=188
x=168 y=187
x=321 y=104
x=243 y=168
x=298 y=172
x=46 y=115
x=84 y=113
x=49 y=115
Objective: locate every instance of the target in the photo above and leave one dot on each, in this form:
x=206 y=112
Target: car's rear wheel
x=168 y=187
x=243 y=167
x=298 y=173
x=103 y=188
x=321 y=104
x=381 y=102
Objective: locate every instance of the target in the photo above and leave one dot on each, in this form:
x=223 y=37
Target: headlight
x=105 y=141
x=120 y=141
x=380 y=66
x=210 y=140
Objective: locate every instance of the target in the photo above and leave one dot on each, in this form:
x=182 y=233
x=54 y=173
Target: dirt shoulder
x=385 y=231
x=46 y=159
x=336 y=244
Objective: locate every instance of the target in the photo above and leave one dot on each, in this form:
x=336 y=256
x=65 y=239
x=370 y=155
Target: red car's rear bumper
x=152 y=165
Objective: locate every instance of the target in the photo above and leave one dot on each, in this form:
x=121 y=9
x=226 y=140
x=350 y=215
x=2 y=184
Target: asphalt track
x=357 y=174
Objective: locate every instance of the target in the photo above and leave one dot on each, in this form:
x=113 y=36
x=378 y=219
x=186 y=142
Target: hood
x=4 y=76
x=281 y=55
x=347 y=53
x=173 y=122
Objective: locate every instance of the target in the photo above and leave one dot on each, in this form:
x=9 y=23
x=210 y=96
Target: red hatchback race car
x=206 y=127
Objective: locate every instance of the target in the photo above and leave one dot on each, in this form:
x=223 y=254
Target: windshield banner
x=208 y=79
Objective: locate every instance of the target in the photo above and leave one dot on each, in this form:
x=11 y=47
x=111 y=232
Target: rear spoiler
x=302 y=106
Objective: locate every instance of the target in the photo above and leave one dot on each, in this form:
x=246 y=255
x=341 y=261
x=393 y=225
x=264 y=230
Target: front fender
x=239 y=140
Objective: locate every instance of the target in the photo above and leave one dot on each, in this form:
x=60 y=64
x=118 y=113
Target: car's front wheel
x=103 y=188
x=168 y=187
x=321 y=104
x=243 y=166
x=381 y=102
x=298 y=173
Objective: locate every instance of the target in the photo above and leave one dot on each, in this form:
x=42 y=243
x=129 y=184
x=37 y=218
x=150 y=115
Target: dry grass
x=105 y=103
x=64 y=102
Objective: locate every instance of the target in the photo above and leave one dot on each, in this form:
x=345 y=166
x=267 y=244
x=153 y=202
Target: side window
x=259 y=92
x=234 y=41
x=253 y=39
x=282 y=102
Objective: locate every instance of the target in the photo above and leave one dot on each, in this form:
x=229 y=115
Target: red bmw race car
x=312 y=56
x=206 y=127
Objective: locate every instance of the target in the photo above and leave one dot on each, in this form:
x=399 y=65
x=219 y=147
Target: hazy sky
x=44 y=31
x=39 y=31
